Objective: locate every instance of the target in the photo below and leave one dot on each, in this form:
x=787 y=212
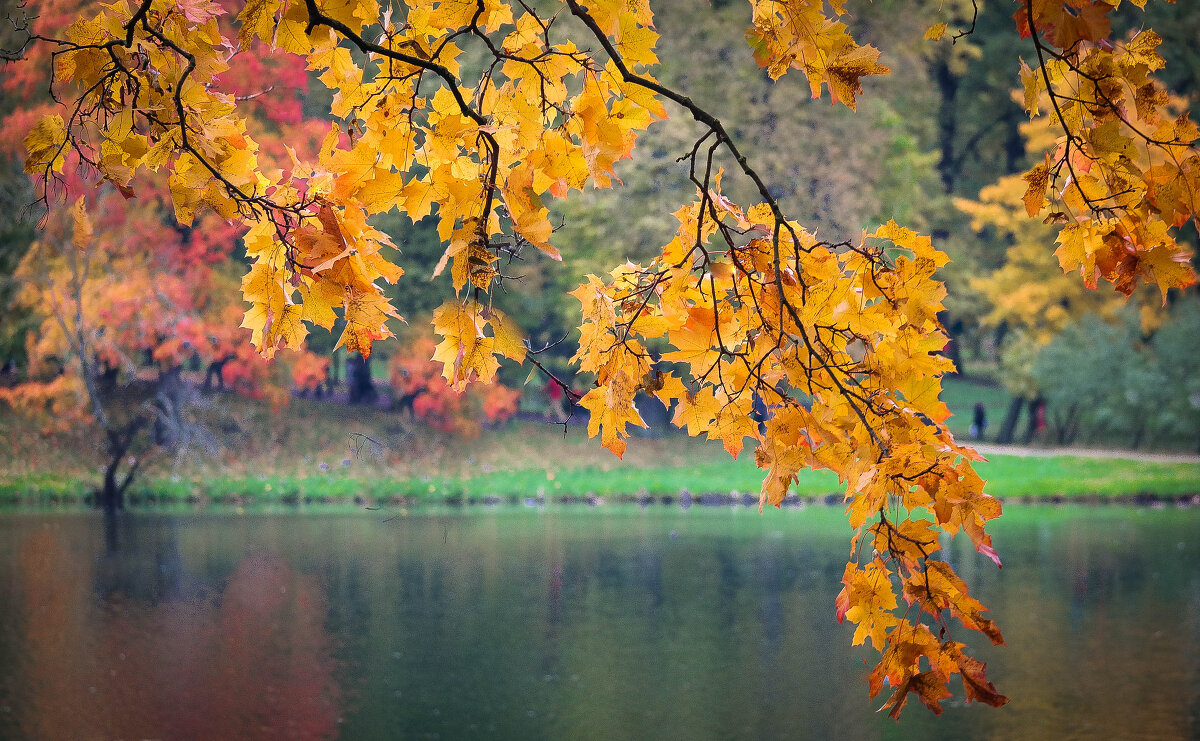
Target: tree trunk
x=1067 y=426
x=111 y=496
x=168 y=402
x=953 y=349
x=358 y=380
x=1031 y=425
x=1009 y=426
x=215 y=370
x=947 y=121
x=1138 y=433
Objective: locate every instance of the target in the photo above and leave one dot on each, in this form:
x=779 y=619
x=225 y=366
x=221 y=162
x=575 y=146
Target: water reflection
x=706 y=623
x=112 y=647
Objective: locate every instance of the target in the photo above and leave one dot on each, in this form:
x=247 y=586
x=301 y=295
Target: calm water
x=567 y=624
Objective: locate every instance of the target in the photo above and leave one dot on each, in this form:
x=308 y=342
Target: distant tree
x=117 y=296
x=420 y=388
x=1174 y=347
x=1149 y=389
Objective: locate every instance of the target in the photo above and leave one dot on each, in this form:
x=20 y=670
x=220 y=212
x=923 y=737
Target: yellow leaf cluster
x=801 y=34
x=467 y=352
x=1125 y=169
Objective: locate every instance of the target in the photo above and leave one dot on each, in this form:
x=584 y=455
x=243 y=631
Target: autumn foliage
x=1125 y=170
x=742 y=309
x=418 y=385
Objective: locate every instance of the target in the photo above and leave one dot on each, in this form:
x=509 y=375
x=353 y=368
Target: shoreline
x=149 y=501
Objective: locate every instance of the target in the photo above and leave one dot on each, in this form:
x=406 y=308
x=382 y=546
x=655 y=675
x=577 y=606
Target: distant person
x=979 y=422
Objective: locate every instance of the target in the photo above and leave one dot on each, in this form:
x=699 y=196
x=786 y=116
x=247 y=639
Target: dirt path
x=1133 y=455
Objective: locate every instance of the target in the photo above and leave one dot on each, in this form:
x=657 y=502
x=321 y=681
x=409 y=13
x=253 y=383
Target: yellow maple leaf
x=530 y=218
x=611 y=410
x=270 y=326
x=508 y=335
x=1170 y=266
x=81 y=236
x=257 y=19
x=366 y=315
x=1038 y=179
x=45 y=145
x=868 y=599
x=465 y=353
x=319 y=299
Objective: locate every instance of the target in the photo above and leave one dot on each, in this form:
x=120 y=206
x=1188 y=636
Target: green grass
x=1013 y=476
x=314 y=452
x=1006 y=476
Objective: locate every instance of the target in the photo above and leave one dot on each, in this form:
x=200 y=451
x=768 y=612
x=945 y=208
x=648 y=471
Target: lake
x=614 y=622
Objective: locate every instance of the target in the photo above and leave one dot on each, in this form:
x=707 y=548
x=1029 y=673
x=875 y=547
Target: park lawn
x=1009 y=476
x=319 y=452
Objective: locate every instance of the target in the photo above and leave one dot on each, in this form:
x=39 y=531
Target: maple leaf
x=974 y=678
x=1038 y=179
x=938 y=588
x=366 y=316
x=466 y=353
x=930 y=690
x=530 y=218
x=694 y=340
x=910 y=541
x=868 y=599
x=732 y=424
x=508 y=335
x=271 y=326
x=611 y=410
x=844 y=74
x=696 y=411
x=199 y=11
x=82 y=232
x=935 y=32
x=45 y=145
x=257 y=19
x=1169 y=267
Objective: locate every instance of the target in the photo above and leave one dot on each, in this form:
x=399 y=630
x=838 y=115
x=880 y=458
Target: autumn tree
x=121 y=296
x=122 y=304
x=478 y=112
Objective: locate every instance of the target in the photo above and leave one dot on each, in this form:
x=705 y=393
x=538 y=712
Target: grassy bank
x=1008 y=477
x=319 y=452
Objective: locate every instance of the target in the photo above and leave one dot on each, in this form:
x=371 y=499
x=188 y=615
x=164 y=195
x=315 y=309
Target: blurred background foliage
x=930 y=147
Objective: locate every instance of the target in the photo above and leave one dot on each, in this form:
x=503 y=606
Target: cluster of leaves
x=1151 y=388
x=1030 y=299
x=419 y=384
x=1125 y=170
x=56 y=404
x=838 y=341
